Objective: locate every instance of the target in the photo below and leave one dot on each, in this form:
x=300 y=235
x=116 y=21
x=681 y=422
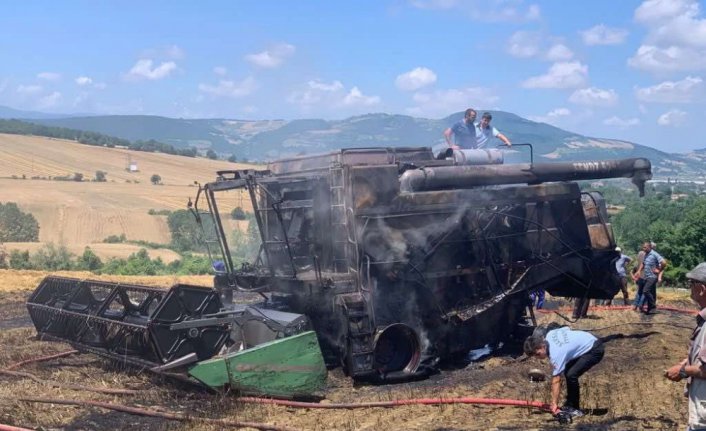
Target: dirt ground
x=626 y=391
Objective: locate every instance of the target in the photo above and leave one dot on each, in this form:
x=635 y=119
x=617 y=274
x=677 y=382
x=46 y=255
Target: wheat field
x=77 y=214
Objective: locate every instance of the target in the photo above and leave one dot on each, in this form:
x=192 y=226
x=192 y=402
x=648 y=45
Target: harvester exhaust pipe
x=467 y=176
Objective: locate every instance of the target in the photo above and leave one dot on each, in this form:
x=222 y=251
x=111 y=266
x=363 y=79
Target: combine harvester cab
x=382 y=260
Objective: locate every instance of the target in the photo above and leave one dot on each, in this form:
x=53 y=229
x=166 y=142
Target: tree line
x=17 y=127
x=677 y=226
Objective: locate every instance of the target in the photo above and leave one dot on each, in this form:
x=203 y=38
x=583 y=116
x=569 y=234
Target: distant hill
x=7 y=112
x=270 y=139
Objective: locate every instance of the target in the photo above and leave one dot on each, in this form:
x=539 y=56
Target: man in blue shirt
x=650 y=270
x=464 y=132
x=571 y=353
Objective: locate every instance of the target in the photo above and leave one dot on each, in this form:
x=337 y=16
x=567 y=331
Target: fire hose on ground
x=299 y=404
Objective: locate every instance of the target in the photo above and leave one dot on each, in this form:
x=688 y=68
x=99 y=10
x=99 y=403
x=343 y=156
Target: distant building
x=131 y=165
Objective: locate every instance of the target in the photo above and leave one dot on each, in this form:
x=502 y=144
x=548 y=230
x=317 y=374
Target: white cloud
x=531 y=44
x=220 y=70
x=227 y=88
x=273 y=57
x=317 y=92
x=602 y=35
x=560 y=75
x=356 y=98
x=143 y=70
x=559 y=52
x=174 y=52
x=49 y=76
x=415 y=79
x=484 y=10
x=318 y=85
x=673 y=117
x=552 y=117
x=622 y=123
x=675 y=39
x=29 y=89
x=662 y=10
x=670 y=59
x=84 y=80
x=559 y=112
x=169 y=52
x=524 y=44
x=317 y=95
x=441 y=103
x=49 y=101
x=687 y=90
x=593 y=96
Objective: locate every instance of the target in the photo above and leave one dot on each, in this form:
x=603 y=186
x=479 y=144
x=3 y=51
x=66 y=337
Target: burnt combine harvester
x=396 y=258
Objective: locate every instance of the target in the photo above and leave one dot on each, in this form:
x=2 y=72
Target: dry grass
x=625 y=391
x=23 y=281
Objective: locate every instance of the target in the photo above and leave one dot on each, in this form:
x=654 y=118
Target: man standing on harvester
x=571 y=354
x=463 y=132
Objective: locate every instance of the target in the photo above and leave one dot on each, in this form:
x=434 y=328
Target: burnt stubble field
x=626 y=391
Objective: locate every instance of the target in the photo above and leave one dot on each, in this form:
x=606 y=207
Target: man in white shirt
x=484 y=131
x=571 y=353
x=693 y=367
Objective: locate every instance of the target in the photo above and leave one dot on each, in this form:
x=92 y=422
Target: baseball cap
x=618 y=249
x=698 y=273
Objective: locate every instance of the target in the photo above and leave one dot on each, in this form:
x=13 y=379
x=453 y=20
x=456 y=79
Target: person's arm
x=639 y=270
x=556 y=390
x=447 y=135
x=504 y=139
x=697 y=371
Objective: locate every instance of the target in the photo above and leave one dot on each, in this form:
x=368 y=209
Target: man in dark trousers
x=571 y=354
x=693 y=368
x=620 y=267
x=651 y=271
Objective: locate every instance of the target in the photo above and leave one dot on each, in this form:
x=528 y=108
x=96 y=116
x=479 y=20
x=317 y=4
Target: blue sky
x=619 y=69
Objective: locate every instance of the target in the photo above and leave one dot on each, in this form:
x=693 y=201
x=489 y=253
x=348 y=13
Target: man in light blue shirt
x=571 y=353
x=484 y=131
x=650 y=270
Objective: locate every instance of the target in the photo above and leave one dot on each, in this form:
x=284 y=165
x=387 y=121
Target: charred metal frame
x=502 y=232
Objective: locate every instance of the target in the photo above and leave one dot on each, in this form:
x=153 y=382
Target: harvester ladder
x=341 y=244
x=361 y=336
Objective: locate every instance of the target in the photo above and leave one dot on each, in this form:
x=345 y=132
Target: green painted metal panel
x=287 y=367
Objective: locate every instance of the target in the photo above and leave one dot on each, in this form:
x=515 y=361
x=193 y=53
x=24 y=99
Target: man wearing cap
x=693 y=368
x=620 y=265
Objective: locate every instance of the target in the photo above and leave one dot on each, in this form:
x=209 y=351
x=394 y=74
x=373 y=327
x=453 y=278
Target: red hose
x=424 y=401
x=620 y=308
x=11 y=428
x=41 y=359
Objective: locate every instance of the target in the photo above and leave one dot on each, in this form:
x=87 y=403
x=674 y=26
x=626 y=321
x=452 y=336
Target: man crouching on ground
x=693 y=368
x=571 y=353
